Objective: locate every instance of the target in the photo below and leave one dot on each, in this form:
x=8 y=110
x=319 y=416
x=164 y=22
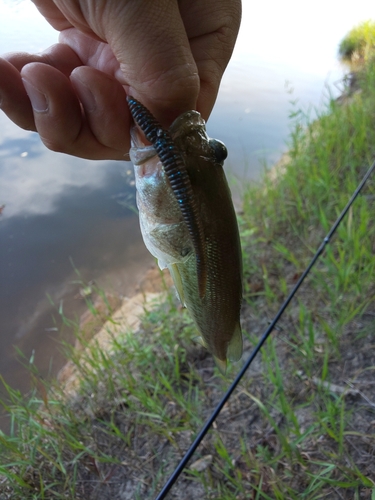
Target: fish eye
x=219 y=149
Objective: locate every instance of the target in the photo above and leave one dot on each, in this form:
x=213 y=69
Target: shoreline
x=99 y=327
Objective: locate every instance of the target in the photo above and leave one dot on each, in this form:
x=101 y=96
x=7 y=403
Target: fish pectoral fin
x=234 y=350
x=162 y=265
x=221 y=364
x=176 y=276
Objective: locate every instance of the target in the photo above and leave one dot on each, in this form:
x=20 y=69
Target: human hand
x=169 y=54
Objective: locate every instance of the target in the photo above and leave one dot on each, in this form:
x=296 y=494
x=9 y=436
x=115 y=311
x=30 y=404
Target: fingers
x=171 y=55
x=151 y=45
x=106 y=108
x=212 y=27
x=60 y=56
x=13 y=98
x=52 y=13
x=87 y=117
x=91 y=52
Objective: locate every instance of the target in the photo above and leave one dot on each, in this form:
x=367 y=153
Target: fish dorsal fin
x=234 y=351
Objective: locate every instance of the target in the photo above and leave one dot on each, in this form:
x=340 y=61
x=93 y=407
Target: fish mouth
x=140 y=152
x=144 y=157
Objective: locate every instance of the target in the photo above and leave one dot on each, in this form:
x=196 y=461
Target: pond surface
x=64 y=215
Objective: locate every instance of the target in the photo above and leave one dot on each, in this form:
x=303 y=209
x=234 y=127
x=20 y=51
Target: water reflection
x=17 y=147
x=61 y=214
x=33 y=178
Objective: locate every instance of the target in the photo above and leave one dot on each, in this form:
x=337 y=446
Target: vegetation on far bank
x=301 y=425
x=358 y=44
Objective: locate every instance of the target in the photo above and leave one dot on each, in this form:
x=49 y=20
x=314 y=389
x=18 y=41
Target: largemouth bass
x=189 y=224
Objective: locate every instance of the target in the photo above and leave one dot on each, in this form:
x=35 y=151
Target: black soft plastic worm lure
x=175 y=170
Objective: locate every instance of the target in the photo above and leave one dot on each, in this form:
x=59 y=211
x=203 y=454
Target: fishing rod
x=180 y=467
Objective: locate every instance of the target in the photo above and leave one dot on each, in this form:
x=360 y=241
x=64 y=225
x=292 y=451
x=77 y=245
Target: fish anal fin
x=200 y=341
x=234 y=350
x=221 y=364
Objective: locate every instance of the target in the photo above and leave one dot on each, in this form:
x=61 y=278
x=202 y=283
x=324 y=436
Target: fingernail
x=38 y=99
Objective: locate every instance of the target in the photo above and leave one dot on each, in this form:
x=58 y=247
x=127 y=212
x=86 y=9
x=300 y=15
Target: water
x=63 y=214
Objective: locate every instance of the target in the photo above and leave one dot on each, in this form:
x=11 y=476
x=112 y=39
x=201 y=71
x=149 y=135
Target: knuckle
x=55 y=145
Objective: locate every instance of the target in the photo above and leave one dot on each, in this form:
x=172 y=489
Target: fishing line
x=173 y=478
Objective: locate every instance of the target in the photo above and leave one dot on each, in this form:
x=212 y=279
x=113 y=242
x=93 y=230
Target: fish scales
x=216 y=314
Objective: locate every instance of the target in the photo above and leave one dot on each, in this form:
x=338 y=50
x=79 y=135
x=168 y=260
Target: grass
x=302 y=423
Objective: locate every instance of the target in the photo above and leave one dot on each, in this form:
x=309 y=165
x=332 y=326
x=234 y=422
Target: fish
x=189 y=225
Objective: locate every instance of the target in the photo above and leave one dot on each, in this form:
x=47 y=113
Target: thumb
x=156 y=64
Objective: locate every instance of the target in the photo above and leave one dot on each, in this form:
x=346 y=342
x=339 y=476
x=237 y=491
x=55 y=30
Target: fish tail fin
x=234 y=351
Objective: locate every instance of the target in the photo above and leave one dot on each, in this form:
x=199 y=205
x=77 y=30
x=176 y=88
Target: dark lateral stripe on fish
x=175 y=169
